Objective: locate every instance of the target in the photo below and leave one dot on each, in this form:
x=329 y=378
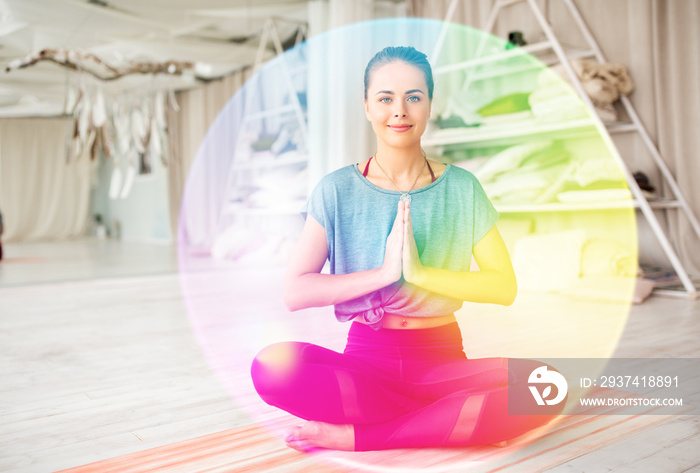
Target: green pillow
x=510 y=103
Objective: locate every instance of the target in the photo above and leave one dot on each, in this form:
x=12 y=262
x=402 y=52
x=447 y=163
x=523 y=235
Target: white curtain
x=336 y=68
x=336 y=100
x=42 y=196
x=188 y=128
x=339 y=131
x=659 y=43
x=336 y=65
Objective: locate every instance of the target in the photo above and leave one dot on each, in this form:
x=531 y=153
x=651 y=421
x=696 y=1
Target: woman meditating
x=399 y=231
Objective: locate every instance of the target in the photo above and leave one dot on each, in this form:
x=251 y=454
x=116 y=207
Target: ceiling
x=220 y=36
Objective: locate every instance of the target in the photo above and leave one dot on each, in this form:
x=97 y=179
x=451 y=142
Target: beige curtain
x=42 y=196
x=188 y=127
x=675 y=70
x=659 y=43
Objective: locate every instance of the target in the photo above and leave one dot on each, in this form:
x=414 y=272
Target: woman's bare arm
x=305 y=286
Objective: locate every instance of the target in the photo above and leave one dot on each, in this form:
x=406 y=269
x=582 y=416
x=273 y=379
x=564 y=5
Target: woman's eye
x=414 y=98
x=385 y=100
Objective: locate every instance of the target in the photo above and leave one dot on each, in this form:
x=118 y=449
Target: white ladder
x=269 y=34
x=636 y=126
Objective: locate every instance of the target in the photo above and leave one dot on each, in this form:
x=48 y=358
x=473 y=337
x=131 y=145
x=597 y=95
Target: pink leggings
x=400 y=388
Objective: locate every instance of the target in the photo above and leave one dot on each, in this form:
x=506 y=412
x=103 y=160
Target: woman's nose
x=400 y=112
x=399 y=109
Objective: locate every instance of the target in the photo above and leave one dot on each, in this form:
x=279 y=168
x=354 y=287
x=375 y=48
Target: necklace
x=405 y=196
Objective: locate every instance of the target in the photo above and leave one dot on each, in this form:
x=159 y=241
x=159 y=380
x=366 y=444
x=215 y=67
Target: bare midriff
x=402 y=322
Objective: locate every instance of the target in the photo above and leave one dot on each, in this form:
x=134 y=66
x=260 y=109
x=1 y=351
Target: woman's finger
x=407 y=231
x=399 y=215
x=394 y=246
x=410 y=259
x=398 y=228
x=408 y=225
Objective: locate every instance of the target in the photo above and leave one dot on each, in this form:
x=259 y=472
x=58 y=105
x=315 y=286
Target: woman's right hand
x=391 y=268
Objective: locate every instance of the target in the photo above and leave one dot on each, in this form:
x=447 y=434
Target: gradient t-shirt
x=449 y=217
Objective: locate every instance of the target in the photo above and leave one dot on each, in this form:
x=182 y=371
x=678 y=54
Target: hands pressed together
x=401 y=256
x=493 y=283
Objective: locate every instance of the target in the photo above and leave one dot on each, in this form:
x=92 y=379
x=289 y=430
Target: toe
x=301 y=446
x=293 y=433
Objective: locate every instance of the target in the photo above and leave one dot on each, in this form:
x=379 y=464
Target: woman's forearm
x=490 y=286
x=320 y=290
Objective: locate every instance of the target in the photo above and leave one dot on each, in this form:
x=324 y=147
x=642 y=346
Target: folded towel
x=607 y=258
x=509 y=159
x=510 y=103
x=599 y=195
x=538 y=180
x=559 y=109
x=597 y=169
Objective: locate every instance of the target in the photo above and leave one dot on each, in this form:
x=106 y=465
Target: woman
x=399 y=231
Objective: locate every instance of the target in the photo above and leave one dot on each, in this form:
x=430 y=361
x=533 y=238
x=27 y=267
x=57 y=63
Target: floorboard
x=102 y=358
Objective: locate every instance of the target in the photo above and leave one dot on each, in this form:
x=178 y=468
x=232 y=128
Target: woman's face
x=397 y=104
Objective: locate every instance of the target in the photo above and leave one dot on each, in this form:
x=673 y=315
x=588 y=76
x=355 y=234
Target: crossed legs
x=353 y=403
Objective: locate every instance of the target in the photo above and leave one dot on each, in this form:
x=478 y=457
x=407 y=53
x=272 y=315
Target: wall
x=144 y=214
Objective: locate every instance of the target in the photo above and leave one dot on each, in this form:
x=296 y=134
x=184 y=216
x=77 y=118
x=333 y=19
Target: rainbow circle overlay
x=547 y=163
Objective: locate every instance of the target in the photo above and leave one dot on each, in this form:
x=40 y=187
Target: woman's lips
x=400 y=128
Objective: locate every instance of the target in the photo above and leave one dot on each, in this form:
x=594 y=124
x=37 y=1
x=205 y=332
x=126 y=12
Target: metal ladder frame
x=636 y=126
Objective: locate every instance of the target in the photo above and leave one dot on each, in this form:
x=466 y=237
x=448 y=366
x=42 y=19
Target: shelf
x=662 y=204
x=505 y=55
x=289 y=208
x=507 y=131
x=583 y=206
x=546 y=61
x=273 y=111
x=269 y=160
x=503 y=71
x=552 y=59
x=524 y=51
x=620 y=127
x=564 y=207
x=300 y=68
x=678 y=291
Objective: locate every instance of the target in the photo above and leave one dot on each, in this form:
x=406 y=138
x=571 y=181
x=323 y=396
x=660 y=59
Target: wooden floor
x=107 y=350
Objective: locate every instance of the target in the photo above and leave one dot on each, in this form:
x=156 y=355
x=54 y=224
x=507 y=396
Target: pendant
x=403 y=322
x=405 y=197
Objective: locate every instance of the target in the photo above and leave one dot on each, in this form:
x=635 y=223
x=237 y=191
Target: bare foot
x=311 y=435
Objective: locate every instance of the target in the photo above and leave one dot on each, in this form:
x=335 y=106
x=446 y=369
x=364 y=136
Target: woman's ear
x=367 y=110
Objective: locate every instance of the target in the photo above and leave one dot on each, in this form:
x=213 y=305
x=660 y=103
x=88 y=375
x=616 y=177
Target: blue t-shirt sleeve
x=485 y=214
x=314 y=205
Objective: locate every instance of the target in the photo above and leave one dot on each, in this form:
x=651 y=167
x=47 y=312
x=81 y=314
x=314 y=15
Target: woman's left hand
x=412 y=268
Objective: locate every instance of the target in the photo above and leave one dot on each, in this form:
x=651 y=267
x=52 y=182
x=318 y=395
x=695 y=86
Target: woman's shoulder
x=340 y=174
x=437 y=167
x=461 y=174
x=338 y=179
